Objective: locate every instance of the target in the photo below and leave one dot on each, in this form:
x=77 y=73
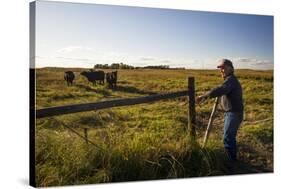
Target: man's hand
x=200 y=99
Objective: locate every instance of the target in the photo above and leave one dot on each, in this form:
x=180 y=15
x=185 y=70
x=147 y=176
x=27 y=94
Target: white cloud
x=147 y=59
x=71 y=49
x=166 y=61
x=75 y=59
x=253 y=63
x=87 y=53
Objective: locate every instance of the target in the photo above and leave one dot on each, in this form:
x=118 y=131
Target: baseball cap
x=225 y=62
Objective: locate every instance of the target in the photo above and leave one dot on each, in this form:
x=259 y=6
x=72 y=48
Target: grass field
x=147 y=141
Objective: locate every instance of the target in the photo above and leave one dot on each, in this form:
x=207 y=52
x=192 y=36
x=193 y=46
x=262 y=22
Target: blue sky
x=82 y=35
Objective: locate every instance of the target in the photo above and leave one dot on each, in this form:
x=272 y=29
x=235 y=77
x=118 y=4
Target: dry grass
x=147 y=141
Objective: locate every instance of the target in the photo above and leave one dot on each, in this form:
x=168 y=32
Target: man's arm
x=224 y=89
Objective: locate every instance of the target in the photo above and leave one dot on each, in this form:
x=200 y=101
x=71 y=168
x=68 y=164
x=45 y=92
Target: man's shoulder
x=232 y=79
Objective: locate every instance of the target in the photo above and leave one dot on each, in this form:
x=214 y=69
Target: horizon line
x=149 y=68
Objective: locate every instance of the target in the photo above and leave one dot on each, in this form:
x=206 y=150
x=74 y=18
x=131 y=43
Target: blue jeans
x=232 y=121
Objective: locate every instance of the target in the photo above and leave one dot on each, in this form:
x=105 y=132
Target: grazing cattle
x=111 y=79
x=69 y=77
x=94 y=76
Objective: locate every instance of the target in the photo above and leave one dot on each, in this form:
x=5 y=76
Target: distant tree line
x=113 y=66
x=125 y=66
x=158 y=67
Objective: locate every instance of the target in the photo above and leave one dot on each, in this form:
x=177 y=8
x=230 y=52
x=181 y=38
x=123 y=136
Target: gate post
x=191 y=108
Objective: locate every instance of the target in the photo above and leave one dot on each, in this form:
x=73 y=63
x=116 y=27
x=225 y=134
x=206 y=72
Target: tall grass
x=147 y=141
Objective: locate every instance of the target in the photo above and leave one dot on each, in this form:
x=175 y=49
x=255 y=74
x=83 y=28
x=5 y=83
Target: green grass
x=146 y=141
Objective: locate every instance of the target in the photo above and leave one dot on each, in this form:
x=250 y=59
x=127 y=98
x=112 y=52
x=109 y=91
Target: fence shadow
x=104 y=92
x=91 y=121
x=130 y=89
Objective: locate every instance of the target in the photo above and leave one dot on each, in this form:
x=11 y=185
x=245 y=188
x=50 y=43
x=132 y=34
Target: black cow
x=69 y=77
x=94 y=76
x=111 y=79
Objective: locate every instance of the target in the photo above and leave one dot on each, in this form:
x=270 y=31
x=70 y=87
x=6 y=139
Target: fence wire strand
x=77 y=133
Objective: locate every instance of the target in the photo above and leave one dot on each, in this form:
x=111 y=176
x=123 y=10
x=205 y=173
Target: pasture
x=146 y=141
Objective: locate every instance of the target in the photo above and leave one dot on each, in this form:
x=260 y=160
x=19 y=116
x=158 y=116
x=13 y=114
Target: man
x=232 y=103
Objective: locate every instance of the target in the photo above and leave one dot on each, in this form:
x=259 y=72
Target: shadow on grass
x=247 y=163
x=250 y=161
x=104 y=92
x=62 y=96
x=100 y=119
x=91 y=121
x=130 y=89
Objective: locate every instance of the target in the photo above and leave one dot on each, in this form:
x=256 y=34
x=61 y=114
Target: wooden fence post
x=86 y=134
x=191 y=108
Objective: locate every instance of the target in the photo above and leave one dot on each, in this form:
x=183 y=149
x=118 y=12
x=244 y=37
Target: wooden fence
x=68 y=109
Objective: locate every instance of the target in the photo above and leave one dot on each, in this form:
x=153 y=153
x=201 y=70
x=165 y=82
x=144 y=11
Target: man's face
x=225 y=71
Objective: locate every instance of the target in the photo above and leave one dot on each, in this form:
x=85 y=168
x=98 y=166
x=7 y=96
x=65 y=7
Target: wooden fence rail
x=60 y=110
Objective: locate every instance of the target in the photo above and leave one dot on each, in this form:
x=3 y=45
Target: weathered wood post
x=191 y=108
x=86 y=134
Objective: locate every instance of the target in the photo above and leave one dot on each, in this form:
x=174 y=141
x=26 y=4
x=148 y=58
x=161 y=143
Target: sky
x=82 y=35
